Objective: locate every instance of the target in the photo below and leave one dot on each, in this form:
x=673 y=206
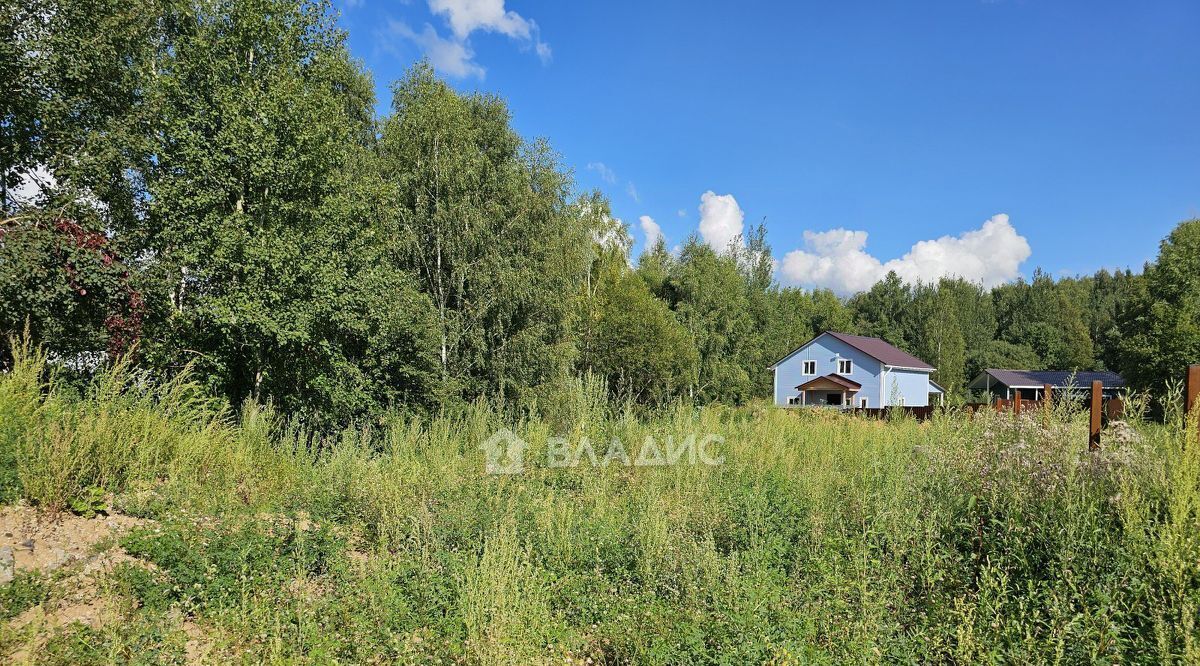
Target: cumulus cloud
x=605 y=173
x=452 y=57
x=467 y=16
x=838 y=260
x=720 y=220
x=651 y=230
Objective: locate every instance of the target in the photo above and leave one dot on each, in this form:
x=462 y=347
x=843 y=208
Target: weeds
x=821 y=539
x=26 y=590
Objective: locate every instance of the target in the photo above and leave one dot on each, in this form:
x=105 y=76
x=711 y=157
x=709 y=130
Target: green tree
x=72 y=75
x=76 y=80
x=1110 y=296
x=1161 y=330
x=485 y=222
x=655 y=266
x=638 y=345
x=830 y=313
x=711 y=293
x=940 y=341
x=880 y=311
x=791 y=323
x=753 y=258
x=1048 y=319
x=1004 y=355
x=262 y=123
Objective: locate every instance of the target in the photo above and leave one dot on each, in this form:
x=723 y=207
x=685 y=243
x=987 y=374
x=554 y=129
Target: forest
x=207 y=186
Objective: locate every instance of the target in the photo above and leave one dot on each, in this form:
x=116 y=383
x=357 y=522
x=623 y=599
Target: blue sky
x=995 y=137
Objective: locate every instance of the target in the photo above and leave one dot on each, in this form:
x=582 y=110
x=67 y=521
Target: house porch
x=829 y=391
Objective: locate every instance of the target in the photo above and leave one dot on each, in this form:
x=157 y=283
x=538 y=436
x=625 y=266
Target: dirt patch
x=46 y=543
x=77 y=551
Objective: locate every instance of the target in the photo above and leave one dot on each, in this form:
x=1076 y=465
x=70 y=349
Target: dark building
x=1005 y=383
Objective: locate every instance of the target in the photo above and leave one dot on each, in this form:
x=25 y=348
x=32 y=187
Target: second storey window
x=810 y=367
x=845 y=366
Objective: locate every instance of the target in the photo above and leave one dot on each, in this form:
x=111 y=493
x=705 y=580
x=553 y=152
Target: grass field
x=820 y=539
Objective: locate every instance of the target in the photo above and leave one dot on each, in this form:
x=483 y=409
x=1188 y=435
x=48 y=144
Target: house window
x=810 y=367
x=794 y=400
x=862 y=402
x=845 y=366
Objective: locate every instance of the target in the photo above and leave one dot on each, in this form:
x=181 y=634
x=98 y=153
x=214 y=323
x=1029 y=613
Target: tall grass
x=822 y=538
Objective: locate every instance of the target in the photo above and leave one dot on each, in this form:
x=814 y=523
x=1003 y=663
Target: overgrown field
x=820 y=539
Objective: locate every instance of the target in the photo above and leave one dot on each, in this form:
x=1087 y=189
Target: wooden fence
x=1102 y=410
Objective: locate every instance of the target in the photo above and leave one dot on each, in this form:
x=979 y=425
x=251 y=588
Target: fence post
x=1017 y=403
x=1097 y=397
x=1047 y=396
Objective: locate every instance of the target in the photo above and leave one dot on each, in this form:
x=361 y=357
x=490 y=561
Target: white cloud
x=467 y=16
x=837 y=259
x=720 y=220
x=607 y=174
x=651 y=230
x=451 y=57
x=631 y=190
x=681 y=212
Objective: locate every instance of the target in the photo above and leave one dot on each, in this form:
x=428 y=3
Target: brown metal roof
x=882 y=351
x=849 y=384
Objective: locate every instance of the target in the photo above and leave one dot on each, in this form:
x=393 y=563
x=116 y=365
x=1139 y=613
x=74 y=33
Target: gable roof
x=837 y=380
x=881 y=351
x=873 y=347
x=1055 y=378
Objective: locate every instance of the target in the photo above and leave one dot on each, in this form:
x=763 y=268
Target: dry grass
x=821 y=538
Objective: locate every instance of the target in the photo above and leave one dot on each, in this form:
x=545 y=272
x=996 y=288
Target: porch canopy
x=830 y=383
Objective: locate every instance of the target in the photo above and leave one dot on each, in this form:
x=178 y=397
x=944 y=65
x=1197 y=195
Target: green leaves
x=1160 y=328
x=89 y=503
x=243 y=210
x=482 y=219
x=638 y=344
x=66 y=283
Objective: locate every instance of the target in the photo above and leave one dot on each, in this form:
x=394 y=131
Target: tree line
x=219 y=195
